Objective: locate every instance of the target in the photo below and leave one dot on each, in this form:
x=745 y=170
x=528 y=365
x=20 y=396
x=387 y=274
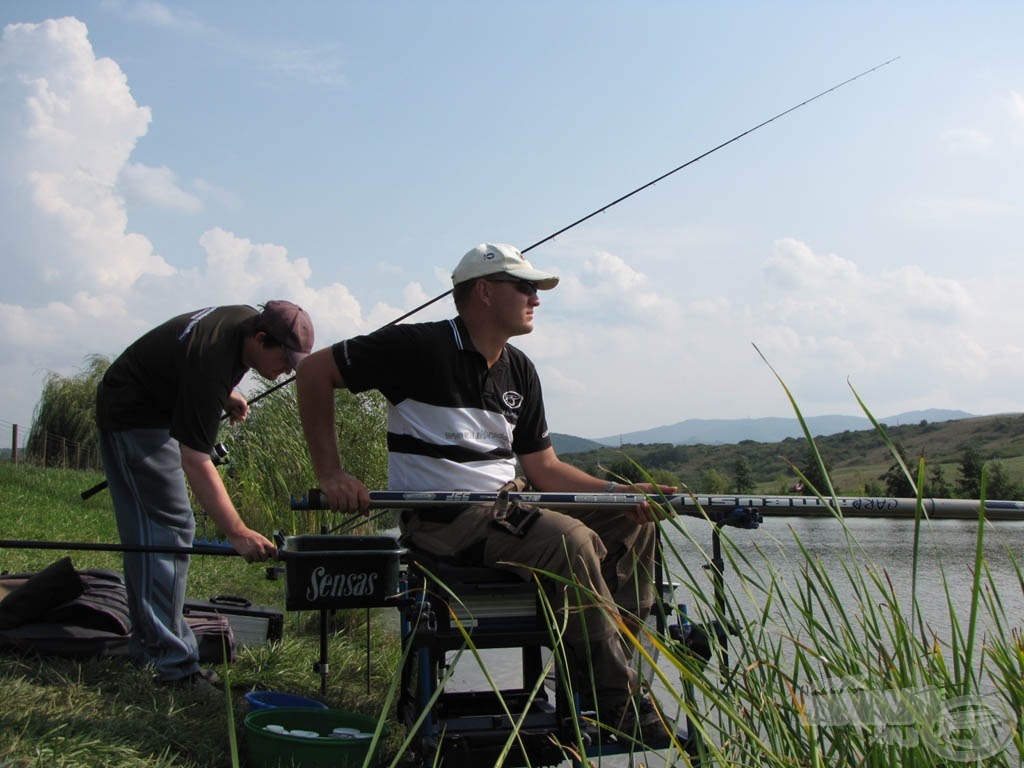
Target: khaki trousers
x=606 y=553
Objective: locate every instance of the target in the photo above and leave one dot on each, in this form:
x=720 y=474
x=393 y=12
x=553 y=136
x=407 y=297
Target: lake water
x=946 y=553
x=946 y=556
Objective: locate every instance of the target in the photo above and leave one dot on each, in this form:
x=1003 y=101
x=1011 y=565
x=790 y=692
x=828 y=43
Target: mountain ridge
x=763 y=430
x=860 y=462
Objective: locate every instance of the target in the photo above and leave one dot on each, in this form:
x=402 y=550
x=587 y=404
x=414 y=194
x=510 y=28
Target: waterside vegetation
x=805 y=677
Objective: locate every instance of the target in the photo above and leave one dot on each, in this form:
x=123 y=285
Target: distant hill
x=572 y=444
x=857 y=458
x=766 y=430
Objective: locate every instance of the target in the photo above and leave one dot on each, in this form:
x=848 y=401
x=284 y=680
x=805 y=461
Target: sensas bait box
x=340 y=571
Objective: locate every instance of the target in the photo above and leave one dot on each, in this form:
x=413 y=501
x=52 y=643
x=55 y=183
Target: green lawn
x=106 y=714
x=795 y=639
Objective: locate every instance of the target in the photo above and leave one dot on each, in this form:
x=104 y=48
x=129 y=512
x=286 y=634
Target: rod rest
x=695 y=639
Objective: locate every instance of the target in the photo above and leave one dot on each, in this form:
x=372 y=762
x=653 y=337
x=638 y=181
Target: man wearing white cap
x=463 y=406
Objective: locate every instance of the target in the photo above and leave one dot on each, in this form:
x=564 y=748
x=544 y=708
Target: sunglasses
x=526 y=287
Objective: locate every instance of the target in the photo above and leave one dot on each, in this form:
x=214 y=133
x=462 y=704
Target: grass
x=810 y=677
x=104 y=713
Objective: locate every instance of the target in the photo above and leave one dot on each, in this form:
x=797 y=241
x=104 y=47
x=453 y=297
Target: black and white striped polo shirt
x=453 y=423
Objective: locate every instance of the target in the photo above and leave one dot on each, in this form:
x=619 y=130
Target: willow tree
x=64 y=422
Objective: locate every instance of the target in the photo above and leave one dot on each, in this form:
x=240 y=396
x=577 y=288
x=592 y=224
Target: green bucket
x=326 y=738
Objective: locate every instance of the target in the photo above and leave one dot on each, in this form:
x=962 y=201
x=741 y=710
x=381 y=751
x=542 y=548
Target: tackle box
x=251 y=625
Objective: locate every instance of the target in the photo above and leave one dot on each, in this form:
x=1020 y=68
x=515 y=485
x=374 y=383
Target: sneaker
x=638 y=721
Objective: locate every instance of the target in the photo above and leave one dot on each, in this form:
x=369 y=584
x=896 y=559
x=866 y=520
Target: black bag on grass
x=83 y=614
x=63 y=612
x=60 y=611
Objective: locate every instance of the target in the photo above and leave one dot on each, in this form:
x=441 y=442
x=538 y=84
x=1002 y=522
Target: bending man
x=159 y=408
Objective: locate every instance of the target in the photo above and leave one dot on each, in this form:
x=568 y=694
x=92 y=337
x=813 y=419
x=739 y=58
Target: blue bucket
x=275 y=699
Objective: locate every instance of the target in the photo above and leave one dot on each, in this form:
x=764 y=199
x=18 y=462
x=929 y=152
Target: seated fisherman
x=463 y=406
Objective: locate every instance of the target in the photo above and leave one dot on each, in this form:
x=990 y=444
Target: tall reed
x=269 y=461
x=804 y=676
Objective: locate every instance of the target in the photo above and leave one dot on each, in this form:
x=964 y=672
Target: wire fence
x=50 y=450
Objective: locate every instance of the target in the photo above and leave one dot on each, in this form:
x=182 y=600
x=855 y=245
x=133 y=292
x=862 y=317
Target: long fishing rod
x=628 y=195
x=737 y=511
x=686 y=504
x=218 y=456
x=709 y=152
x=665 y=175
x=602 y=209
x=640 y=188
x=73 y=546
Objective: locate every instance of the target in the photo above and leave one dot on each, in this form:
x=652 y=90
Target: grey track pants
x=147 y=485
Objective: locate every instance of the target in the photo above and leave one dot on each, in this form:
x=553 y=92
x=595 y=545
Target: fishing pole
x=737 y=511
x=70 y=546
x=686 y=504
x=218 y=456
x=641 y=188
x=699 y=157
x=595 y=212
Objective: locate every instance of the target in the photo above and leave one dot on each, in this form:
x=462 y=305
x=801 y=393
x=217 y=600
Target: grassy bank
x=105 y=713
x=810 y=678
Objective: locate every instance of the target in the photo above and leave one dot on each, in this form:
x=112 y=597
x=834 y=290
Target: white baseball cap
x=495 y=258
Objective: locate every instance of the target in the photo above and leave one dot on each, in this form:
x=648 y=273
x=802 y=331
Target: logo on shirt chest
x=512 y=400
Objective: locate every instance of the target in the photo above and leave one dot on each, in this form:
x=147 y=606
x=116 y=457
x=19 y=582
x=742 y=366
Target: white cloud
x=924 y=297
x=155 y=14
x=1016 y=102
x=613 y=290
x=243 y=267
x=79 y=281
x=69 y=124
x=157 y=187
x=794 y=269
x=965 y=141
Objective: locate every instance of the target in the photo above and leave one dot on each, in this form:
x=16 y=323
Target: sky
x=161 y=157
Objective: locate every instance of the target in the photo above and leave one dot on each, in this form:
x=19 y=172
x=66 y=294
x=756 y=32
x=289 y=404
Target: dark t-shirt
x=177 y=376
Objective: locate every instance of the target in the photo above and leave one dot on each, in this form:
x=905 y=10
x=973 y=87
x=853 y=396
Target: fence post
x=14 y=444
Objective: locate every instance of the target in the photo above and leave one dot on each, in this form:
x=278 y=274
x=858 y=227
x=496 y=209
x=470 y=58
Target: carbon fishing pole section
x=725 y=510
x=314 y=499
x=77 y=546
x=219 y=455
